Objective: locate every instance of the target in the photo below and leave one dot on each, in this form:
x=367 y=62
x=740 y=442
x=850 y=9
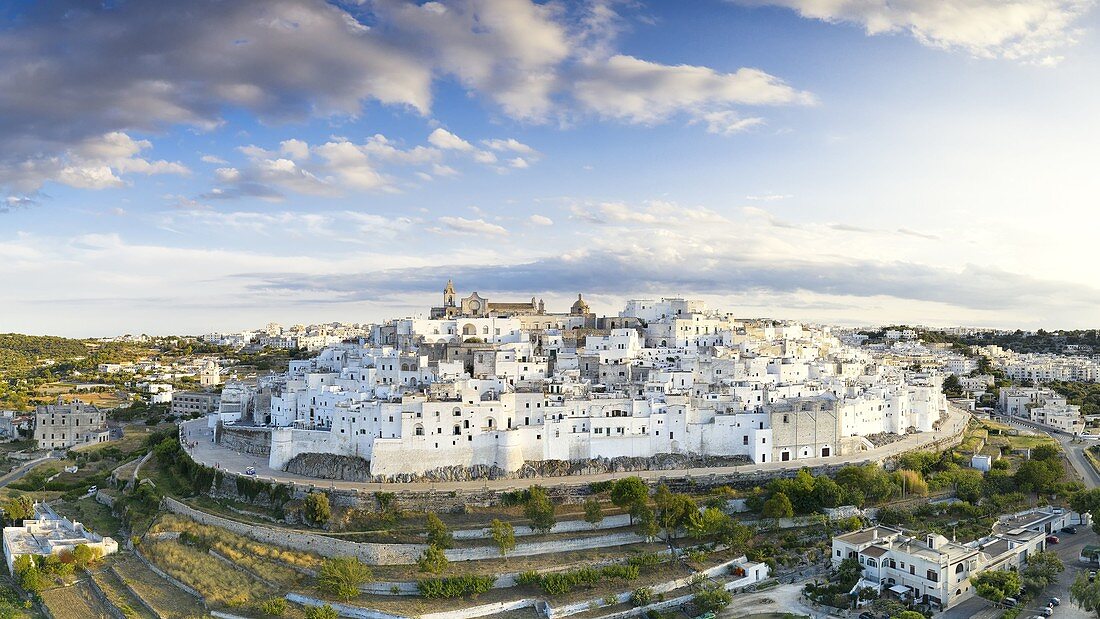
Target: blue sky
x=168 y=169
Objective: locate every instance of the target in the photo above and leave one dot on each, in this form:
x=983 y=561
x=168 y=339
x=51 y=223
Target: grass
x=75 y=602
x=162 y=595
x=249 y=553
x=218 y=583
x=93 y=515
x=119 y=597
x=12 y=606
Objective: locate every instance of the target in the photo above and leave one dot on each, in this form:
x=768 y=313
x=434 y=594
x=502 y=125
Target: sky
x=207 y=166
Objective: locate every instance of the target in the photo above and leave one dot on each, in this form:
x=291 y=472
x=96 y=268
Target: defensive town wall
x=562 y=489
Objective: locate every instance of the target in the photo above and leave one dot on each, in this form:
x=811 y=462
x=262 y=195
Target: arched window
x=457 y=430
x=959 y=568
x=418 y=430
x=469 y=329
x=404 y=367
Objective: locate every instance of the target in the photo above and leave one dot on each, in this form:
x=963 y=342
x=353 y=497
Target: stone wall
x=373 y=554
x=329 y=466
x=245 y=440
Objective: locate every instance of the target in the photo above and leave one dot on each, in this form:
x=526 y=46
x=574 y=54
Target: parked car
x=1052 y=539
x=1054 y=602
x=1092 y=575
x=250 y=470
x=93 y=489
x=1046 y=612
x=867 y=616
x=1070 y=530
x=1009 y=602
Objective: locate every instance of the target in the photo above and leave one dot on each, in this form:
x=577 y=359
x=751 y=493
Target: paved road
x=1074 y=448
x=199 y=440
x=18 y=473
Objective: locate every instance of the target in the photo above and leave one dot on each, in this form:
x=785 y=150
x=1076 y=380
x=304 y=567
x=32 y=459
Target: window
x=933 y=575
x=745 y=440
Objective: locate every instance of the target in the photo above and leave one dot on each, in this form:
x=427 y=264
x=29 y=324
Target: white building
x=499 y=387
x=50 y=534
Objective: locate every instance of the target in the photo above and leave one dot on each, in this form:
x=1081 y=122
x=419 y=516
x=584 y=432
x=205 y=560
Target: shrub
x=274 y=607
x=433 y=561
x=438 y=533
x=712 y=598
x=529 y=577
x=341 y=576
x=504 y=535
x=593 y=513
x=643 y=596
x=322 y=612
x=455 y=586
x=316 y=508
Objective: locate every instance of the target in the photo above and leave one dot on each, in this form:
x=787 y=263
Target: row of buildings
x=483 y=383
x=931 y=569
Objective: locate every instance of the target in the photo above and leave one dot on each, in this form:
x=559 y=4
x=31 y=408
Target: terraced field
x=162 y=595
x=75 y=602
x=122 y=599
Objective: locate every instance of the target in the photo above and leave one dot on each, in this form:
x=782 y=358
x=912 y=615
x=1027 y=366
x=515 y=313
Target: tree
x=18 y=509
x=629 y=493
x=673 y=510
x=647 y=523
x=706 y=523
x=316 y=508
x=712 y=597
x=341 y=576
x=322 y=612
x=27 y=573
x=1086 y=593
x=907 y=614
x=848 y=573
x=504 y=535
x=438 y=534
x=996 y=585
x=539 y=509
x=951 y=385
x=434 y=560
x=593 y=513
x=911 y=482
x=779 y=506
x=84 y=556
x=1038 y=475
x=1042 y=569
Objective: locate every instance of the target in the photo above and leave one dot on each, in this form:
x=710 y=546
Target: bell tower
x=449 y=295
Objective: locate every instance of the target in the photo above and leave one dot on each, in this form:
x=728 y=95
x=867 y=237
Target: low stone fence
x=98 y=591
x=388 y=554
x=165 y=575
x=355 y=612
x=566 y=526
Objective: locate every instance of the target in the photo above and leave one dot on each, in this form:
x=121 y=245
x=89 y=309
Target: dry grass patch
x=75 y=602
x=162 y=595
x=218 y=583
x=119 y=597
x=268 y=561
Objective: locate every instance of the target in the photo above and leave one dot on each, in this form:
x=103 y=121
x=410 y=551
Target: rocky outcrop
x=330 y=466
x=256 y=441
x=565 y=468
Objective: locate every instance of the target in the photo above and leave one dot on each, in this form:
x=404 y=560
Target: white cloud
x=648 y=213
x=1014 y=29
x=295 y=149
x=638 y=91
x=484 y=156
x=511 y=144
x=540 y=220
x=518 y=163
x=441 y=138
x=728 y=122
x=97 y=162
x=440 y=169
x=213 y=159
x=462 y=225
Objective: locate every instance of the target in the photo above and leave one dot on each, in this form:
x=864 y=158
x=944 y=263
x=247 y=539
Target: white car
x=93 y=489
x=250 y=470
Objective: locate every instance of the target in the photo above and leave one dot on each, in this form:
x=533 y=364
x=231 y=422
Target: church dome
x=579 y=306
